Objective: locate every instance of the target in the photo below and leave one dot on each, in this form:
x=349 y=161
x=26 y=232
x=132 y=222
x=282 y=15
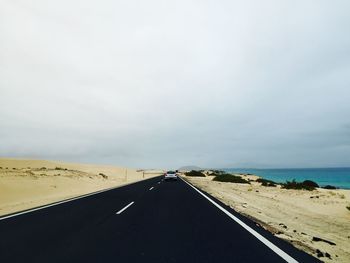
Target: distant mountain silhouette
x=190 y=168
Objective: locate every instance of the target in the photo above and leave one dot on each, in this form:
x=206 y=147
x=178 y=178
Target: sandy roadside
x=29 y=183
x=298 y=216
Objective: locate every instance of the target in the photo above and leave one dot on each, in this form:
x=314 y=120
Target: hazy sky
x=172 y=83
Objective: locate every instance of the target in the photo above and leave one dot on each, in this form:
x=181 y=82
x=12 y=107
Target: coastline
x=335 y=176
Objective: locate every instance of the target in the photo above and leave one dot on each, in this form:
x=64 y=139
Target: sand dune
x=298 y=216
x=29 y=183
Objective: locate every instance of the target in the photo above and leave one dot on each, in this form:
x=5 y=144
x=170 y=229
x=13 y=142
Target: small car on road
x=170 y=175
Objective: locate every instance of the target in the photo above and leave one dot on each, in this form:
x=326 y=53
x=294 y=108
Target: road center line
x=123 y=209
x=151 y=188
x=268 y=243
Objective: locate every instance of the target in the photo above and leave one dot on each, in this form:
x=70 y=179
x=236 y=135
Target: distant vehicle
x=170 y=175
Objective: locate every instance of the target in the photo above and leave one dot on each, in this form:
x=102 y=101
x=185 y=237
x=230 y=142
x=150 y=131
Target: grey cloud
x=163 y=84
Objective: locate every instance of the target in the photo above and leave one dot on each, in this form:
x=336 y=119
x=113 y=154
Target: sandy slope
x=29 y=183
x=294 y=215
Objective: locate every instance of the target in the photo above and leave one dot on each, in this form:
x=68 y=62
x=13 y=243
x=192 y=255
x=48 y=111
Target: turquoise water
x=339 y=177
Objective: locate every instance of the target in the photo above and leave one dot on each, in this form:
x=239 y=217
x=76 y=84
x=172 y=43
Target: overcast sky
x=172 y=83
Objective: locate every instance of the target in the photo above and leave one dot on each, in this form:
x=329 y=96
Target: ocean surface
x=338 y=177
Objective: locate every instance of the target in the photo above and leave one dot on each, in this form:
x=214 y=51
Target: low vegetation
x=195 y=174
x=61 y=169
x=213 y=173
x=305 y=185
x=265 y=182
x=216 y=172
x=103 y=175
x=230 y=178
x=330 y=187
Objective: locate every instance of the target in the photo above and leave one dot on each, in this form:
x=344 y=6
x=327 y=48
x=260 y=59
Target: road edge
x=257 y=235
x=29 y=210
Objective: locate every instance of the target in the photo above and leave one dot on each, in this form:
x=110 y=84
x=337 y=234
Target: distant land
x=189 y=168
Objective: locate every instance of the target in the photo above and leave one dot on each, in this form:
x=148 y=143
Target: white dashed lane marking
x=123 y=209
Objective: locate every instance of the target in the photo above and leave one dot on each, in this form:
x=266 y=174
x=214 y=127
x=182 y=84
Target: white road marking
x=122 y=210
x=268 y=243
x=151 y=188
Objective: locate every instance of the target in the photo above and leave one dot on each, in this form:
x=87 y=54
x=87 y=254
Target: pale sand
x=26 y=184
x=294 y=215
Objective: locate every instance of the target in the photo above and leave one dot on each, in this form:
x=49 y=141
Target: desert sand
x=26 y=184
x=298 y=216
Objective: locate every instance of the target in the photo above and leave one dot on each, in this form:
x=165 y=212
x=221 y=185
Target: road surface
x=148 y=221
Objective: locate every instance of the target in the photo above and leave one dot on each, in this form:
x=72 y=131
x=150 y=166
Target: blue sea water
x=339 y=177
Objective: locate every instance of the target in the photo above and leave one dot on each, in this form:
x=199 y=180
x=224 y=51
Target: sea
x=338 y=177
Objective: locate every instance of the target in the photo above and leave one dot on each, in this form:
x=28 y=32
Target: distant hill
x=190 y=168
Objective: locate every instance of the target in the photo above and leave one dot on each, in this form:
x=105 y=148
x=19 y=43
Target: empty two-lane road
x=148 y=221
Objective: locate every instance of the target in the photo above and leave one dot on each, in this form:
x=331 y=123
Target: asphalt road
x=149 y=221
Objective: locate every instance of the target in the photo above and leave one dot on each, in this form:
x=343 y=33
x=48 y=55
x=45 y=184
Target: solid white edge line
x=123 y=209
x=151 y=188
x=66 y=200
x=268 y=243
